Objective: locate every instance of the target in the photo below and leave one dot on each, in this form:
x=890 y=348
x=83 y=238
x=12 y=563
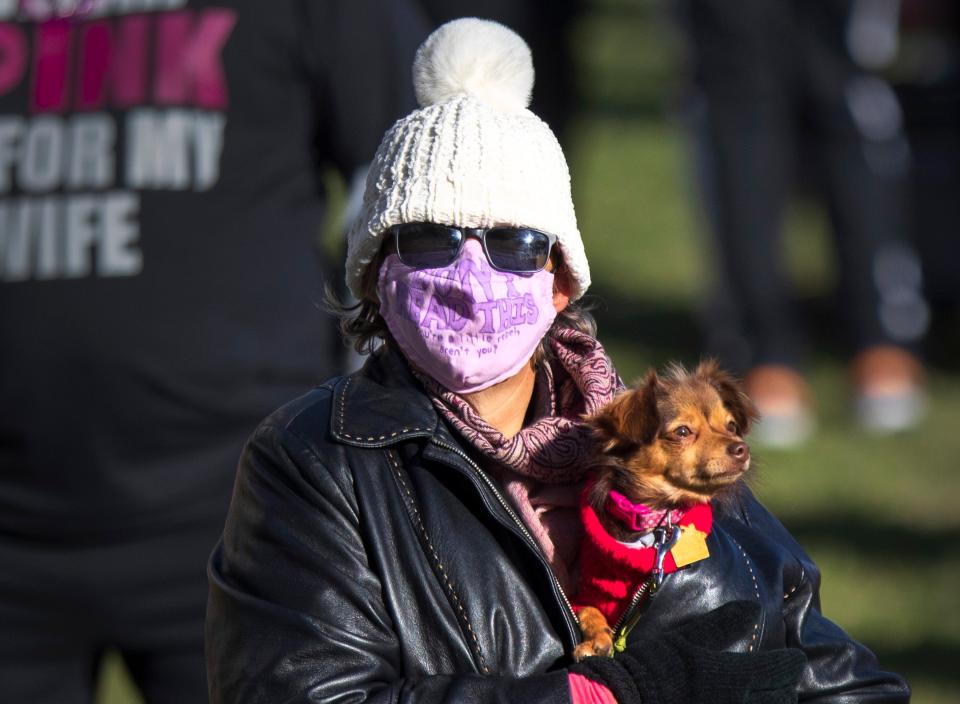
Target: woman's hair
x=364 y=328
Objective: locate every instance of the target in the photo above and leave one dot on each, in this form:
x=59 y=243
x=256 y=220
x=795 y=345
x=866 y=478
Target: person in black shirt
x=160 y=201
x=765 y=72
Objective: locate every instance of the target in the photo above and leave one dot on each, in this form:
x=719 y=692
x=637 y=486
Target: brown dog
x=675 y=441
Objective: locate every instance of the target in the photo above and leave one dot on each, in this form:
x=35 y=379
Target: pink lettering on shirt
x=188 y=67
x=113 y=63
x=50 y=66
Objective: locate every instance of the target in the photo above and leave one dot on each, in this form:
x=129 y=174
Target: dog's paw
x=600 y=645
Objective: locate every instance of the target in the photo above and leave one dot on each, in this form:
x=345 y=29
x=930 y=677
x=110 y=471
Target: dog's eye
x=732 y=427
x=681 y=431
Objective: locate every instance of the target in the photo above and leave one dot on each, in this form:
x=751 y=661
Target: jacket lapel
x=382 y=404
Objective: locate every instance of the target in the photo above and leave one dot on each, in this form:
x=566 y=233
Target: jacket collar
x=381 y=404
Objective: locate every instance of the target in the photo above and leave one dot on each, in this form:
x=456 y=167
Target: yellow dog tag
x=691 y=547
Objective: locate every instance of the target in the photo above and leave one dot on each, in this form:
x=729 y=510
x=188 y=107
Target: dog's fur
x=673 y=441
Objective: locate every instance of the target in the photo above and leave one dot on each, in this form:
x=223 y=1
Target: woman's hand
x=687 y=665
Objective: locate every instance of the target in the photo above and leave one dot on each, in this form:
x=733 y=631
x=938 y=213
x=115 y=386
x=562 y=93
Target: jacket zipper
x=523 y=529
x=663 y=543
x=631 y=614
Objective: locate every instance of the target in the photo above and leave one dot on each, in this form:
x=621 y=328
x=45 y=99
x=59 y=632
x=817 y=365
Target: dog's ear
x=631 y=419
x=731 y=393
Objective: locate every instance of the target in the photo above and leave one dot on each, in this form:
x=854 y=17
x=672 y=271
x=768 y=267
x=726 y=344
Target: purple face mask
x=466 y=325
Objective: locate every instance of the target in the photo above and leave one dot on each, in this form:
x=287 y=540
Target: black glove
x=687 y=665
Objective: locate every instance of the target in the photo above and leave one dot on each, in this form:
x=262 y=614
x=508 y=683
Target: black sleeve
x=295 y=614
x=361 y=54
x=839 y=669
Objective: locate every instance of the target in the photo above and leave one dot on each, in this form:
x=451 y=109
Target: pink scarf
x=542 y=466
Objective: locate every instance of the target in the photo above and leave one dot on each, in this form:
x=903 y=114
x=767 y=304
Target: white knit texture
x=466 y=162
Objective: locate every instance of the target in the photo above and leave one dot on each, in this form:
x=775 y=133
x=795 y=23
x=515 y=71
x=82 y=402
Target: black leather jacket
x=367 y=558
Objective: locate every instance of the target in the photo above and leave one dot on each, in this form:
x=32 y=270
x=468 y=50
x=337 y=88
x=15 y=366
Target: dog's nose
x=739 y=450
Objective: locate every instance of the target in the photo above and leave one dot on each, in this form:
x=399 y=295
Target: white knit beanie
x=473 y=155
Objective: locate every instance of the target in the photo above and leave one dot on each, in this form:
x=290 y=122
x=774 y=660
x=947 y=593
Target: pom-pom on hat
x=473 y=155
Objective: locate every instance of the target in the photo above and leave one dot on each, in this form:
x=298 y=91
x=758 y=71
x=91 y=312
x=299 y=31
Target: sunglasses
x=517 y=250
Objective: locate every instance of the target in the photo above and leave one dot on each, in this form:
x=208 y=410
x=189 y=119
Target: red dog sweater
x=611 y=572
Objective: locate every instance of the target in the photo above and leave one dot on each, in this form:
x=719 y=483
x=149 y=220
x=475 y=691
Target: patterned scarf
x=578 y=381
x=540 y=468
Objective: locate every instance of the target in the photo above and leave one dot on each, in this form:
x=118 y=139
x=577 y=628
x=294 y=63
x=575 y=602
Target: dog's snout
x=739 y=450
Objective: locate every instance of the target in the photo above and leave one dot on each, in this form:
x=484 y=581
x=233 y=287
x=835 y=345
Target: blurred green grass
x=878 y=514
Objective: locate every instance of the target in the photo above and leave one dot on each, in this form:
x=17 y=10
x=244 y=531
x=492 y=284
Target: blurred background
x=631 y=87
x=876 y=512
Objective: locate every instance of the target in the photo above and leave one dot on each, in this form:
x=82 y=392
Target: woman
x=407 y=532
